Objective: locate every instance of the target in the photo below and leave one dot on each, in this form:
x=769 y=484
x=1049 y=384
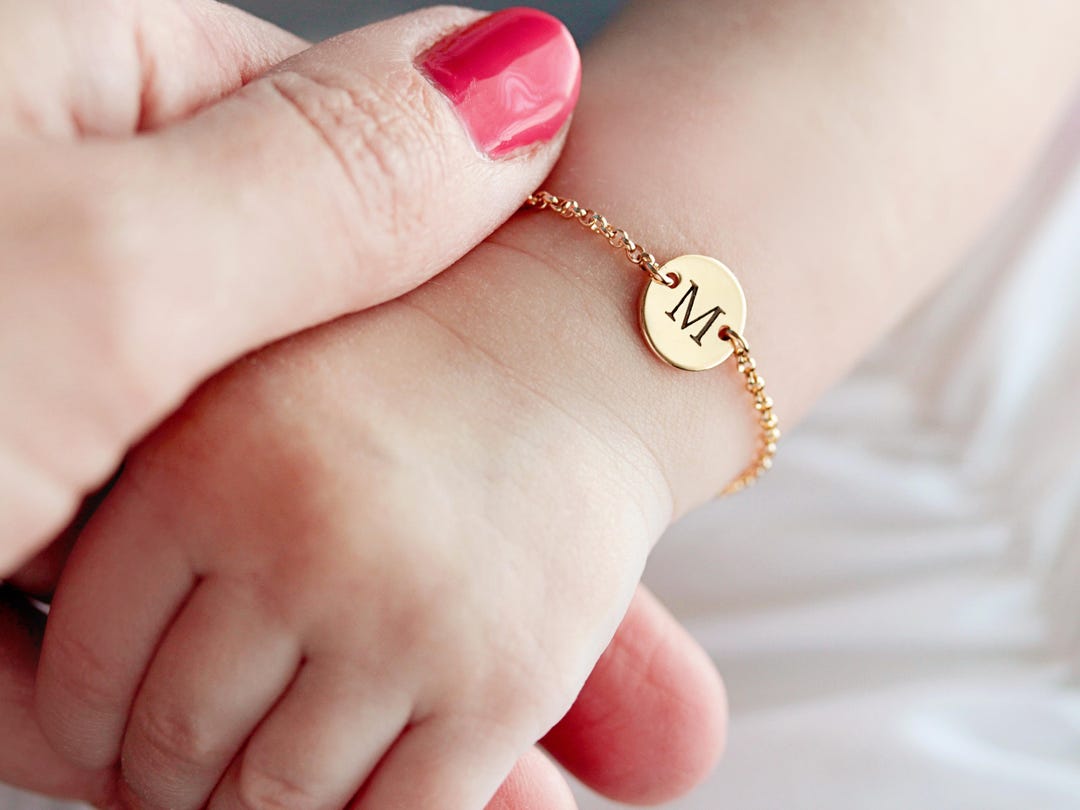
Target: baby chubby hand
x=376 y=560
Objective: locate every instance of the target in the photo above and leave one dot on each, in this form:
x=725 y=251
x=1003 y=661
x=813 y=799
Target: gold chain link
x=755 y=383
x=597 y=223
x=763 y=404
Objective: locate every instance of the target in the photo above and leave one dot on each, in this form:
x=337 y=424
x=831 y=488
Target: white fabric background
x=896 y=608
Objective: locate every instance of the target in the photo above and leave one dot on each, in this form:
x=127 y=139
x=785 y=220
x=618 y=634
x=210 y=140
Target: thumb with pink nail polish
x=513 y=78
x=345 y=176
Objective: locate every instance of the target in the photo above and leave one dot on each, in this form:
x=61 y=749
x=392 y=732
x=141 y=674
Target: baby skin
x=374 y=563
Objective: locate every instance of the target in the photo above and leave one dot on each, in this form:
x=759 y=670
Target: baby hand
x=647 y=725
x=377 y=560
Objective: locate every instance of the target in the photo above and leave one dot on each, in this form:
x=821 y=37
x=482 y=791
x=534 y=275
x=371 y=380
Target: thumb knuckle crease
x=379 y=135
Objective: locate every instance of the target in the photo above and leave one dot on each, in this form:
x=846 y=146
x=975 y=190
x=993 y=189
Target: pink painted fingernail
x=513 y=77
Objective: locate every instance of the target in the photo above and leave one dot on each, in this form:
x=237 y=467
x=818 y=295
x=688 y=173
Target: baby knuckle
x=262 y=786
x=382 y=136
x=166 y=739
x=78 y=673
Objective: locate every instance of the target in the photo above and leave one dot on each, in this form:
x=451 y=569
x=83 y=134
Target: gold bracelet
x=686 y=342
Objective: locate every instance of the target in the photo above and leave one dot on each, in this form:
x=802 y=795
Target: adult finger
x=75 y=70
x=650 y=722
x=344 y=177
x=534 y=784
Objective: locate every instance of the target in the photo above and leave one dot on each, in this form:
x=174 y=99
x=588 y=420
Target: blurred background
x=318 y=19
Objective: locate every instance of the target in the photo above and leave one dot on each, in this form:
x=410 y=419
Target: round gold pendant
x=682 y=323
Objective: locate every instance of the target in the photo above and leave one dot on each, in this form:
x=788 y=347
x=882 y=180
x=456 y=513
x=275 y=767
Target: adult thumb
x=344 y=177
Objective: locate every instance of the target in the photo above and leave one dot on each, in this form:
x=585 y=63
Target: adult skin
x=840 y=157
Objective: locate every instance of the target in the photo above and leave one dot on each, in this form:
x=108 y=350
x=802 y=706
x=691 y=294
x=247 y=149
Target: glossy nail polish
x=513 y=78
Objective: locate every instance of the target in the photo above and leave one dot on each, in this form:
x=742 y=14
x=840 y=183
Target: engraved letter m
x=688 y=298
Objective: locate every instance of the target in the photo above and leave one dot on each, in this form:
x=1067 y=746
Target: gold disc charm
x=682 y=323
